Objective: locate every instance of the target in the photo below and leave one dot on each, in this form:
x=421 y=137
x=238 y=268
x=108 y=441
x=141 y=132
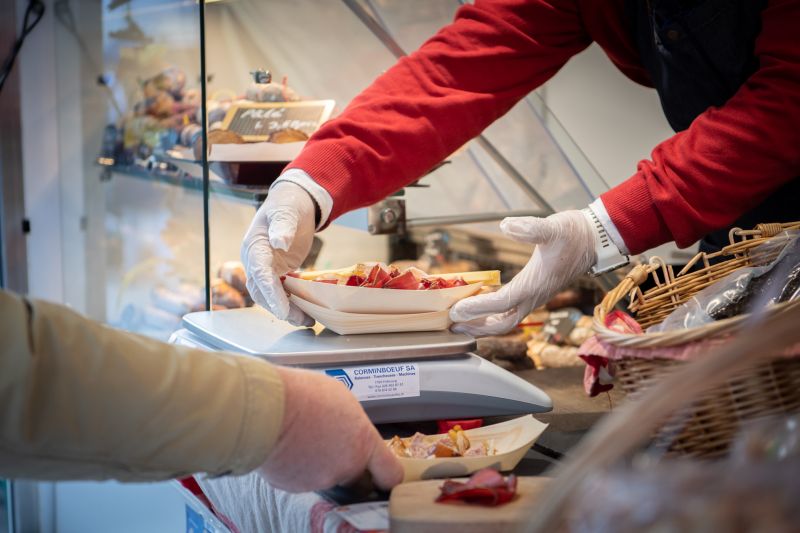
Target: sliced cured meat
x=379 y=276
x=405 y=281
x=485 y=487
x=355 y=281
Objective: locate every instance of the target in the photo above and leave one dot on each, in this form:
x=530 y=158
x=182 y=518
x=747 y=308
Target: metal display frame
x=13 y=250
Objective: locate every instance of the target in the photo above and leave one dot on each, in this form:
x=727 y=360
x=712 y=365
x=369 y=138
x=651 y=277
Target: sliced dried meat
x=484 y=487
x=355 y=281
x=486 y=478
x=478 y=450
x=379 y=276
x=418 y=448
x=405 y=281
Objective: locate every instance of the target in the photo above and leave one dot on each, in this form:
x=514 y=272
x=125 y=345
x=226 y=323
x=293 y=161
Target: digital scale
x=397 y=377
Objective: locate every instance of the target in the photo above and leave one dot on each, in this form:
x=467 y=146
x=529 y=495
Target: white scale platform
x=398 y=377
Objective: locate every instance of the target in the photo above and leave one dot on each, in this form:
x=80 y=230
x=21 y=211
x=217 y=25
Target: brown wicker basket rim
x=638 y=274
x=685 y=336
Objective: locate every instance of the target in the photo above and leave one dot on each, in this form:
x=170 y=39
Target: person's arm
x=79 y=400
x=436 y=99
x=412 y=117
x=730 y=159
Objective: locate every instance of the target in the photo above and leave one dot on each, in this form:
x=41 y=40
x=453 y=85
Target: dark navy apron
x=698 y=53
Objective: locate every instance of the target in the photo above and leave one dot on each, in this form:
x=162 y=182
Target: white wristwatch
x=608 y=255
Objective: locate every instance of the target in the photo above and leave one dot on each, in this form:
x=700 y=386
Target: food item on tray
x=581 y=332
x=380 y=276
x=232 y=273
x=454 y=444
x=546 y=355
x=287 y=135
x=544 y=339
x=218 y=136
x=271 y=92
x=484 y=487
x=225 y=295
x=166 y=115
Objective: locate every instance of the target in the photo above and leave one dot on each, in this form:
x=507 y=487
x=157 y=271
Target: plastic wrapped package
x=742 y=290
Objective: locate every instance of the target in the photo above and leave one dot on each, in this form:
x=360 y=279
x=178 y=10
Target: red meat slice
x=377 y=277
x=487 y=478
x=393 y=278
x=355 y=281
x=485 y=487
x=432 y=283
x=480 y=496
x=405 y=281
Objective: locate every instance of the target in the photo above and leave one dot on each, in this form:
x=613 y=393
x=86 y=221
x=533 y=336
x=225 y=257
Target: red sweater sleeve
x=730 y=159
x=436 y=99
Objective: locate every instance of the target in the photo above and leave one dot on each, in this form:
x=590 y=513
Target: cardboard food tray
x=257 y=152
x=253 y=163
x=369 y=300
x=258 y=163
x=512 y=439
x=360 y=323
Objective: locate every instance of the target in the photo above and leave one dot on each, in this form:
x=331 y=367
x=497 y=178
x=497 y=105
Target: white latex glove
x=277 y=242
x=565 y=250
x=326 y=438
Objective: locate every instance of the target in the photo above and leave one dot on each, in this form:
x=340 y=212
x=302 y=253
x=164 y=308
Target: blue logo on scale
x=340 y=375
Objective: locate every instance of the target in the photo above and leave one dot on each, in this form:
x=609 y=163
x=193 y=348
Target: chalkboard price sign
x=255 y=121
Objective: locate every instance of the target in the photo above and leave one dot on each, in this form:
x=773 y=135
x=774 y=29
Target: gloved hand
x=565 y=249
x=326 y=438
x=277 y=242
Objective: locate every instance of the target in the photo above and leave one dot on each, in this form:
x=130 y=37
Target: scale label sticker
x=379 y=382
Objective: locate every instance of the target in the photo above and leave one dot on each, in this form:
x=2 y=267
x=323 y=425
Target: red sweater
x=496 y=52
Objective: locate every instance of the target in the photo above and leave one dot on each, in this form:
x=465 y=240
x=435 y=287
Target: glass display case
x=148 y=222
x=138 y=122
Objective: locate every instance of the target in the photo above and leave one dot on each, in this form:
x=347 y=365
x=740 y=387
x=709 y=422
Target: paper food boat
x=367 y=300
x=359 y=323
x=512 y=439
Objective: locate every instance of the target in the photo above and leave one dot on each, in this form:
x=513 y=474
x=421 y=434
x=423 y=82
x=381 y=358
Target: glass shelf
x=166 y=173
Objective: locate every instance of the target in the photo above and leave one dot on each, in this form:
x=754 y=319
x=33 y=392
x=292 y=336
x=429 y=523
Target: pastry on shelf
x=287 y=135
x=225 y=295
x=218 y=136
x=232 y=273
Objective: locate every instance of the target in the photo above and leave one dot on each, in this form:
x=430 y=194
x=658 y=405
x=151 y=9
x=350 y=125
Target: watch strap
x=608 y=255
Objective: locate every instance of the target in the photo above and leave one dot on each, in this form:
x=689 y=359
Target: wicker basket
x=707 y=429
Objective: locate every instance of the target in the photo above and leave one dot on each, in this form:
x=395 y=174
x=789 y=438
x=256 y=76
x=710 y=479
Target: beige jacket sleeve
x=80 y=400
